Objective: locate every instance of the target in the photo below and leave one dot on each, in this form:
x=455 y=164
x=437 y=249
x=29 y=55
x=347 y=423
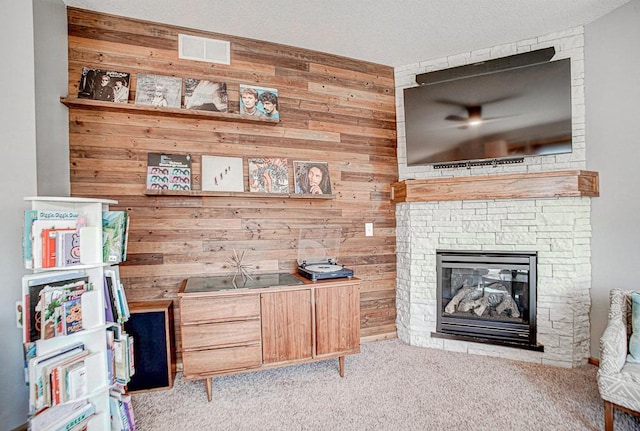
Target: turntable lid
x=318 y=244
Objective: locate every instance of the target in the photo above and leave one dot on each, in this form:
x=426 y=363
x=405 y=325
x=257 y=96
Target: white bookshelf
x=93 y=334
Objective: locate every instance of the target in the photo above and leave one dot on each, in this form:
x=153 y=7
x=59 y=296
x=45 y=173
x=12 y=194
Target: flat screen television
x=517 y=112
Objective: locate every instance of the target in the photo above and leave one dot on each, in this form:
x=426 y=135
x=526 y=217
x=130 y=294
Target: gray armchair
x=618 y=380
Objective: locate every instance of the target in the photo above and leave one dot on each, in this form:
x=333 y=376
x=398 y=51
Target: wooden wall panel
x=332 y=109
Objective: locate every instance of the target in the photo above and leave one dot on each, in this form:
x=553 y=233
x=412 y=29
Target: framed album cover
x=168 y=171
x=106 y=85
x=222 y=174
x=311 y=177
x=268 y=175
x=205 y=95
x=259 y=102
x=158 y=90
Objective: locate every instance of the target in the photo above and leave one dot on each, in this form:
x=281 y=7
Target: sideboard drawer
x=220 y=334
x=217 y=360
x=196 y=309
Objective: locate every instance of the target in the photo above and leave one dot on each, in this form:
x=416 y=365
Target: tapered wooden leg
x=209 y=383
x=341 y=362
x=608 y=416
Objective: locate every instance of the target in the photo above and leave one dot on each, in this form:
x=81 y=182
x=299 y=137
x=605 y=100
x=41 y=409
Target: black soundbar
x=489 y=66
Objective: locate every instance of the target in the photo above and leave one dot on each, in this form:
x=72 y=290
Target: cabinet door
x=337 y=319
x=286 y=326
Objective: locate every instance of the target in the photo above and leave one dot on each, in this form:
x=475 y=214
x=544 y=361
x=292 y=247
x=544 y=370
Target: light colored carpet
x=388 y=386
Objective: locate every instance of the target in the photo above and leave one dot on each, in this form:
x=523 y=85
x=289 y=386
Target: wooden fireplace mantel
x=508 y=186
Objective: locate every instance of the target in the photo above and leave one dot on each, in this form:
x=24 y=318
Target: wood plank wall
x=332 y=109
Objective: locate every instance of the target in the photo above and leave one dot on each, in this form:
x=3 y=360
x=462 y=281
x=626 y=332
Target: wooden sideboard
x=271 y=321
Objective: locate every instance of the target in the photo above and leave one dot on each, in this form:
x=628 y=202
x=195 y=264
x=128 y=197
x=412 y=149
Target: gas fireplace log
x=462 y=294
x=508 y=304
x=477 y=299
x=481 y=306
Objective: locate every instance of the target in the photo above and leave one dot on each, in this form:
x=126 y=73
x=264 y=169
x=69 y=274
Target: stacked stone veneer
x=559 y=229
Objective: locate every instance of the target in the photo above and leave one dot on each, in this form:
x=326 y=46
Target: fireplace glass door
x=488 y=295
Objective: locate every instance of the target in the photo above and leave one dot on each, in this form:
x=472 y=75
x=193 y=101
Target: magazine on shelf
x=158 y=90
x=168 y=171
x=52 y=300
x=35 y=309
x=205 y=95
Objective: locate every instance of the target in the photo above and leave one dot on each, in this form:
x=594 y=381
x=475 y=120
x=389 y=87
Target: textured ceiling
x=390 y=32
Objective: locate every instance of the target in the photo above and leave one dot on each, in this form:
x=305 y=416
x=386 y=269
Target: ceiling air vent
x=203 y=49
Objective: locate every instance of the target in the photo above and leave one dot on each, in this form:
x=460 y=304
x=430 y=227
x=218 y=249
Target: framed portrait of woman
x=311 y=177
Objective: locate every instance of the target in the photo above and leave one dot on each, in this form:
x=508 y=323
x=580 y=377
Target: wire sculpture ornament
x=239 y=268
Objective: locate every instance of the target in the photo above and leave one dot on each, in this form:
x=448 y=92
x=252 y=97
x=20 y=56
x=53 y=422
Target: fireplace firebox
x=487 y=296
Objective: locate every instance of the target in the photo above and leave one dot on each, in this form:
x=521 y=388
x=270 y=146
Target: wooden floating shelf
x=74 y=102
x=508 y=186
x=200 y=193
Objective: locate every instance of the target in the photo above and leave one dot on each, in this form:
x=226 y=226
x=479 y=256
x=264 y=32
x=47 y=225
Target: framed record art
x=259 y=102
x=205 y=95
x=106 y=85
x=268 y=175
x=311 y=178
x=222 y=174
x=168 y=171
x=158 y=90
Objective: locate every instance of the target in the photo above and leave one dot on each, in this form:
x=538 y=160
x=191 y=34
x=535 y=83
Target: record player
x=318 y=253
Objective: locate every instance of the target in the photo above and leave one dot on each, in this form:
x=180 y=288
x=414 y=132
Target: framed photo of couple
x=259 y=102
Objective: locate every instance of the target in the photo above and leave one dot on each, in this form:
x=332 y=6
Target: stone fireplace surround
x=545 y=212
x=526 y=206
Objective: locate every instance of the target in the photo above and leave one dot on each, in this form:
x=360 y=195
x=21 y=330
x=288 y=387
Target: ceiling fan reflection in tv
x=490 y=114
x=472 y=116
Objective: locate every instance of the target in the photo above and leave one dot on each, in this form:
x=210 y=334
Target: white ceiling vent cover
x=203 y=49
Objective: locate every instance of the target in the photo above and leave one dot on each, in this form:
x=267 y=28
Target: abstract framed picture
x=222 y=174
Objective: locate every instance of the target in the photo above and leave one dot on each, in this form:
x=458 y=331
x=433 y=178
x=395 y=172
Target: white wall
x=52 y=125
x=18 y=174
x=34 y=73
x=612 y=93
